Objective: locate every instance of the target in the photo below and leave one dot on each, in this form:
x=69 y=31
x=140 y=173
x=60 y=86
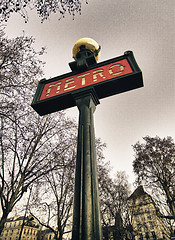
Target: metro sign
x=107 y=78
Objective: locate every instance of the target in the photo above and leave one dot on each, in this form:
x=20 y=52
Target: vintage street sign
x=83 y=87
x=110 y=77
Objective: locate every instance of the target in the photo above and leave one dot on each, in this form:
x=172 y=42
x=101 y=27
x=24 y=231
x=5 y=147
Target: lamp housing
x=86 y=52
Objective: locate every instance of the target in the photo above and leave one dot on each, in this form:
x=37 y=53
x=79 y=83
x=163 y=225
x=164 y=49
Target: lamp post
x=83 y=87
x=86 y=211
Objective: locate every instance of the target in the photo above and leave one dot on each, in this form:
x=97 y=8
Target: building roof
x=138 y=192
x=47 y=231
x=16 y=218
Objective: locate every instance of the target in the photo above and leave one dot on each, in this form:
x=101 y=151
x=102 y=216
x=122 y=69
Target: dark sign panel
x=107 y=78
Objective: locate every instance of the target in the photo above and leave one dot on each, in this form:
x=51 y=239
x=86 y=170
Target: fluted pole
x=86 y=212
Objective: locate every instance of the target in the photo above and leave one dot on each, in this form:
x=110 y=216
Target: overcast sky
x=145 y=27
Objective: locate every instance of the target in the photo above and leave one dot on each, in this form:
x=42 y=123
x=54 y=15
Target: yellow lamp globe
x=89 y=43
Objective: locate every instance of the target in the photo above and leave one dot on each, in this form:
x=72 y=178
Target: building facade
x=46 y=234
x=14 y=226
x=145 y=217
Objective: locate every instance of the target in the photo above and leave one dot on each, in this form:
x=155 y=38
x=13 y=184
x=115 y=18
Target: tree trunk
x=60 y=236
x=170 y=201
x=119 y=227
x=3 y=220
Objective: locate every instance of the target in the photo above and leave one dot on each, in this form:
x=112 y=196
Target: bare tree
x=154 y=166
x=30 y=146
x=20 y=65
x=20 y=69
x=53 y=196
x=114 y=194
x=44 y=8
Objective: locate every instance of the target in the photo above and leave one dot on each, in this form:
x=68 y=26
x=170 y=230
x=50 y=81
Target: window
x=136 y=218
x=154 y=235
x=163 y=235
x=140 y=210
x=143 y=217
x=151 y=225
x=139 y=227
x=141 y=237
x=145 y=226
x=147 y=235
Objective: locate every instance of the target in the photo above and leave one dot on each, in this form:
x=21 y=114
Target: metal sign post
x=86 y=212
x=83 y=87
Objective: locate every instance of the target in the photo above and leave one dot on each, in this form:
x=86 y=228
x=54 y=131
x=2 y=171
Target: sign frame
x=106 y=88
